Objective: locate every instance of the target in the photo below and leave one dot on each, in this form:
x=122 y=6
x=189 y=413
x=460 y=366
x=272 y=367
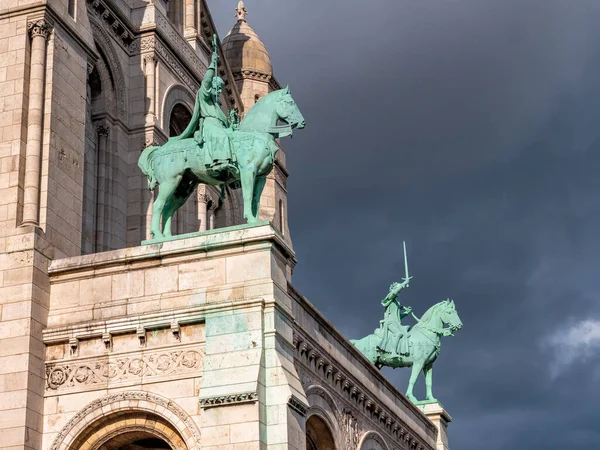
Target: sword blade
x=405 y=260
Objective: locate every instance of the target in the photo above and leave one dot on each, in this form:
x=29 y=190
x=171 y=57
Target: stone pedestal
x=204 y=320
x=440 y=418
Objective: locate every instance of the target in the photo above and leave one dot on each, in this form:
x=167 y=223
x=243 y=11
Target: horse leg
x=416 y=368
x=259 y=185
x=177 y=201
x=428 y=372
x=165 y=192
x=247 y=177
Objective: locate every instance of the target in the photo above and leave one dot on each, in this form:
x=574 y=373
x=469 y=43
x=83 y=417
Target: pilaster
x=440 y=418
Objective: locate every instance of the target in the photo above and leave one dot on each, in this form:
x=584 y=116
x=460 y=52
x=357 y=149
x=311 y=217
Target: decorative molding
x=298 y=406
x=110 y=20
x=223 y=400
x=98 y=372
x=350 y=426
x=252 y=74
x=316 y=370
x=39 y=28
x=114 y=66
x=172 y=411
x=152 y=43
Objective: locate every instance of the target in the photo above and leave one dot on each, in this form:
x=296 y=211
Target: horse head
x=444 y=312
x=449 y=316
x=288 y=111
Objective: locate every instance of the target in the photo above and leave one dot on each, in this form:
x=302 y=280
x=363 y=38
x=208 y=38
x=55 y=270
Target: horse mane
x=256 y=109
x=426 y=318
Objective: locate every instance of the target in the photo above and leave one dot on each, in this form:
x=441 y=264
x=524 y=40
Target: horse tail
x=145 y=165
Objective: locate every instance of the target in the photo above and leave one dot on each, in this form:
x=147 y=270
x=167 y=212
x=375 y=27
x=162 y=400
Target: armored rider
x=394 y=339
x=209 y=124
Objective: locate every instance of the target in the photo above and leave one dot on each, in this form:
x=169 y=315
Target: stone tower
x=253 y=74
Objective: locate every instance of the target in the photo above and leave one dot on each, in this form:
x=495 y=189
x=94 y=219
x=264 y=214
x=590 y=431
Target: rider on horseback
x=394 y=339
x=209 y=124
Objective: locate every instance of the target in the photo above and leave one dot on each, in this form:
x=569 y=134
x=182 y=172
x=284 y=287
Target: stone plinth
x=440 y=417
x=204 y=320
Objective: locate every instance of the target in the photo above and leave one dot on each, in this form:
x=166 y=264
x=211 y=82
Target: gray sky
x=468 y=128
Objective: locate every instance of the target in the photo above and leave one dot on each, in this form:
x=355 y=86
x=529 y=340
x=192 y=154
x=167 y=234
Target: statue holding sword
x=394 y=339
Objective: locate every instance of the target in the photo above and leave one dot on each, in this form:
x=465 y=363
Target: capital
x=39 y=28
x=102 y=131
x=150 y=58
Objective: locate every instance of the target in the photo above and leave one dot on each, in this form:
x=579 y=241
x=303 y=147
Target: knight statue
x=395 y=345
x=210 y=124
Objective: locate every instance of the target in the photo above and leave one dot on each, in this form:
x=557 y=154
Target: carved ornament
x=246 y=397
x=100 y=371
x=111 y=21
x=39 y=28
x=298 y=406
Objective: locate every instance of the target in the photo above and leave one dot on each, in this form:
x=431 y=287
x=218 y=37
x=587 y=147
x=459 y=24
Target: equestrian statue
x=219 y=150
x=396 y=345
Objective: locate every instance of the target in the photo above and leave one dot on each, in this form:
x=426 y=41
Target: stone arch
x=318 y=433
x=103 y=43
x=322 y=404
x=372 y=440
x=175 y=94
x=154 y=415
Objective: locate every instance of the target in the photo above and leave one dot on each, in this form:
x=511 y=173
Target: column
x=39 y=32
x=102 y=188
x=202 y=203
x=190 y=18
x=150 y=61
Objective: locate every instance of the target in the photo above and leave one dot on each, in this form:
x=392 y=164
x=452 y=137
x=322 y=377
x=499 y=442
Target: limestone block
x=210 y=272
x=161 y=280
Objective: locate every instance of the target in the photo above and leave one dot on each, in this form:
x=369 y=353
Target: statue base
x=440 y=418
x=208 y=232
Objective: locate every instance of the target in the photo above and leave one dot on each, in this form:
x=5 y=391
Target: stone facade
x=198 y=342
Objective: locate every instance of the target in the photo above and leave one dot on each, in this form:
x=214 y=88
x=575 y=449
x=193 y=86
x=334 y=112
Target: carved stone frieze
x=358 y=411
x=246 y=397
x=100 y=371
x=111 y=21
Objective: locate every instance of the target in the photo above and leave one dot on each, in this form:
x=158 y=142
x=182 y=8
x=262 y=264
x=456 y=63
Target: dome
x=243 y=48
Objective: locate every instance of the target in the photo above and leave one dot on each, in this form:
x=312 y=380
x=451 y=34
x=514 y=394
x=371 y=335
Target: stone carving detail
x=350 y=427
x=246 y=397
x=152 y=43
x=169 y=405
x=298 y=405
x=102 y=131
x=127 y=367
x=39 y=28
x=110 y=20
x=315 y=370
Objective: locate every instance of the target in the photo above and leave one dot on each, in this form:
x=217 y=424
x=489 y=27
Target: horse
x=424 y=345
x=179 y=165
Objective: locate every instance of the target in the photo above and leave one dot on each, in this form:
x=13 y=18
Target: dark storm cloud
x=470 y=130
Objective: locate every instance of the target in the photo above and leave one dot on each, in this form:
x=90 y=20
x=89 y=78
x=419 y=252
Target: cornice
x=114 y=20
x=226 y=400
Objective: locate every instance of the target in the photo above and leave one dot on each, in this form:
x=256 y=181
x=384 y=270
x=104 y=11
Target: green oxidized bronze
x=396 y=345
x=218 y=150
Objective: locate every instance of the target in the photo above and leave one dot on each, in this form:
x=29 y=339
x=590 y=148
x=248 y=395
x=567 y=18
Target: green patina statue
x=218 y=150
x=396 y=345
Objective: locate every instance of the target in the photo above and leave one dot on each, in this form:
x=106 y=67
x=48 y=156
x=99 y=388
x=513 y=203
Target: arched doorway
x=318 y=434
x=135 y=440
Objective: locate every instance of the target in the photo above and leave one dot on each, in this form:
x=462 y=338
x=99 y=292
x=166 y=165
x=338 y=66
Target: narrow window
x=71 y=8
